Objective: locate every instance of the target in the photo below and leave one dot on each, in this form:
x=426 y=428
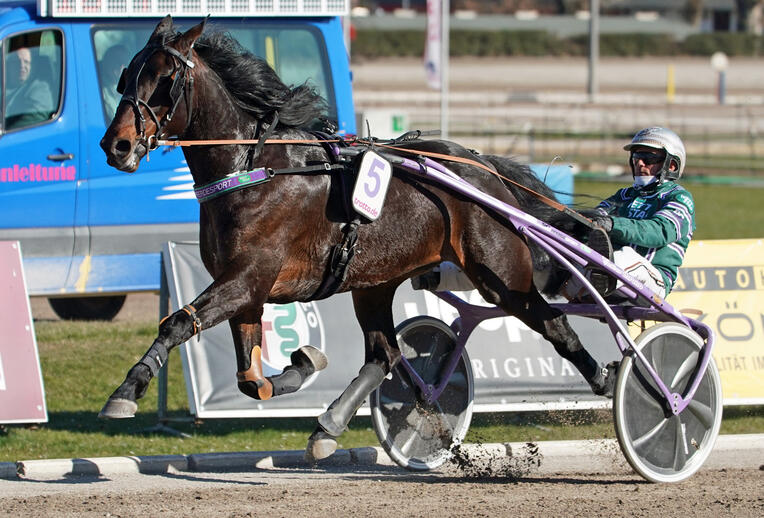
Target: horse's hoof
x=312 y=355
x=118 y=409
x=320 y=446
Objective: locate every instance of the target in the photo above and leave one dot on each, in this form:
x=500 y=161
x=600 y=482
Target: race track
x=377 y=490
x=386 y=492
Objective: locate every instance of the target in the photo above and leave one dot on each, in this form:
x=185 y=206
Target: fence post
x=162 y=418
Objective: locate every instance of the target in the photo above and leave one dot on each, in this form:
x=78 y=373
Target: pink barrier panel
x=22 y=396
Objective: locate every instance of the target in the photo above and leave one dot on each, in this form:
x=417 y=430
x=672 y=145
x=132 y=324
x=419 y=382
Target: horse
x=274 y=242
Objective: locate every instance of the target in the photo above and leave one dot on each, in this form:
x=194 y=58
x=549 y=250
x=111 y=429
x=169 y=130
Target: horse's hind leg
x=553 y=325
x=496 y=283
x=374 y=312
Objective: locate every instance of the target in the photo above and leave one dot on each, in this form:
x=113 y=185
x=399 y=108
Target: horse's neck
x=215 y=116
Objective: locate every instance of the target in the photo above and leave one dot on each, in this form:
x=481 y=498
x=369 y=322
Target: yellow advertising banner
x=725 y=280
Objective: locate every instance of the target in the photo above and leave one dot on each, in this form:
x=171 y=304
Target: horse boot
x=323 y=441
x=305 y=361
x=601 y=378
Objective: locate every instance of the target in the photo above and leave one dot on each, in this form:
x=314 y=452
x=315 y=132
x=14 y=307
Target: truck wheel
x=88 y=308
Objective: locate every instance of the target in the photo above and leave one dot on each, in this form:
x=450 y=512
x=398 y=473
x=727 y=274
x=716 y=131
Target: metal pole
x=594 y=48
x=722 y=90
x=162 y=418
x=444 y=55
x=164 y=310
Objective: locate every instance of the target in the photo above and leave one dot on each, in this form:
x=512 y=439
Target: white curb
x=587 y=456
x=102 y=466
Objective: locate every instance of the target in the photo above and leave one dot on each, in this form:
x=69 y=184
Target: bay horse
x=272 y=243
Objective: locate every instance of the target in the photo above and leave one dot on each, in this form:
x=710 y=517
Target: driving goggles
x=648 y=157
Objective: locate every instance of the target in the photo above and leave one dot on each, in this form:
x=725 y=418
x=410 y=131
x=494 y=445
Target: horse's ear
x=189 y=37
x=163 y=27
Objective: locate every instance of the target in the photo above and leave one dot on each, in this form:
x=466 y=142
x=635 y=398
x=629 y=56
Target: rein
x=189 y=143
x=544 y=199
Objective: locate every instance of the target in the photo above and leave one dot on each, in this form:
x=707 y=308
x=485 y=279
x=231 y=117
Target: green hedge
x=732 y=44
x=378 y=43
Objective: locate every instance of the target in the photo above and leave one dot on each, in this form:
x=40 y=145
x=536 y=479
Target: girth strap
x=339 y=261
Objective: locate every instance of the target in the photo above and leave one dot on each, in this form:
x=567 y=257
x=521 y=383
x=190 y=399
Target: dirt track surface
x=386 y=492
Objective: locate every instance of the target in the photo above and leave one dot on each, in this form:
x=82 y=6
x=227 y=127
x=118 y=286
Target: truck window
x=295 y=52
x=32 y=71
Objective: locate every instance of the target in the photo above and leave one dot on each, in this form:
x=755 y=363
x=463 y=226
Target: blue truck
x=90 y=234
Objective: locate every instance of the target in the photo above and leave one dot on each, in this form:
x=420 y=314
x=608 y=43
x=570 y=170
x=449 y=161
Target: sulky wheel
x=417 y=435
x=660 y=446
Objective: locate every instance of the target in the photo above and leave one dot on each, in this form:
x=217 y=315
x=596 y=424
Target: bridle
x=177 y=90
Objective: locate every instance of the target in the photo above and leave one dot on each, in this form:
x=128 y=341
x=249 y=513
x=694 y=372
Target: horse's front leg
x=247 y=336
x=373 y=310
x=228 y=296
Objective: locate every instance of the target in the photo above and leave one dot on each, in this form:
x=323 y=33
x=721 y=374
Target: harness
x=343 y=252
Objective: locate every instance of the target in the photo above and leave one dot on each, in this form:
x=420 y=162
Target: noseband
x=177 y=90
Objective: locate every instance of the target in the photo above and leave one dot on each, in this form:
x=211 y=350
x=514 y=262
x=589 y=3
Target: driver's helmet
x=665 y=139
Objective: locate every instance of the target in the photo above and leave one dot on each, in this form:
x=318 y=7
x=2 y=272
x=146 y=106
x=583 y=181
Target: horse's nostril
x=122 y=147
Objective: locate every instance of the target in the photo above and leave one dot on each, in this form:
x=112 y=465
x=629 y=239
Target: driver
x=650 y=223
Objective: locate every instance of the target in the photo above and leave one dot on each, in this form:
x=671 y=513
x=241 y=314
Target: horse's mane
x=254 y=85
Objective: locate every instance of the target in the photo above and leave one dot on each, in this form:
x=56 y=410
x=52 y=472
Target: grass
x=83 y=362
x=721 y=211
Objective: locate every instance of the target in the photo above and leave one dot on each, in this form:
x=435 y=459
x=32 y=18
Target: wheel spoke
x=680 y=443
x=703 y=412
x=416 y=433
x=429 y=355
x=394 y=404
x=656 y=356
x=644 y=392
x=655 y=430
x=685 y=370
x=410 y=440
x=444 y=419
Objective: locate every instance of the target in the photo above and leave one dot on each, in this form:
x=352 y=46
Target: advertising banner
x=725 y=280
x=22 y=396
x=514 y=368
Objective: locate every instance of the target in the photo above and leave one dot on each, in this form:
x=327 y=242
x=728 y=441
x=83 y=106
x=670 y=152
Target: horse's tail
x=518 y=173
x=548 y=274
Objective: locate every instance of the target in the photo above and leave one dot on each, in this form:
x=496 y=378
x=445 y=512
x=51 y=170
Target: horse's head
x=156 y=96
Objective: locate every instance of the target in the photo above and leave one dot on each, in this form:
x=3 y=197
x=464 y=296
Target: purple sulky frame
x=569 y=252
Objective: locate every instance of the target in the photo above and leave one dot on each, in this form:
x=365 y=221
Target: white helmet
x=665 y=139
